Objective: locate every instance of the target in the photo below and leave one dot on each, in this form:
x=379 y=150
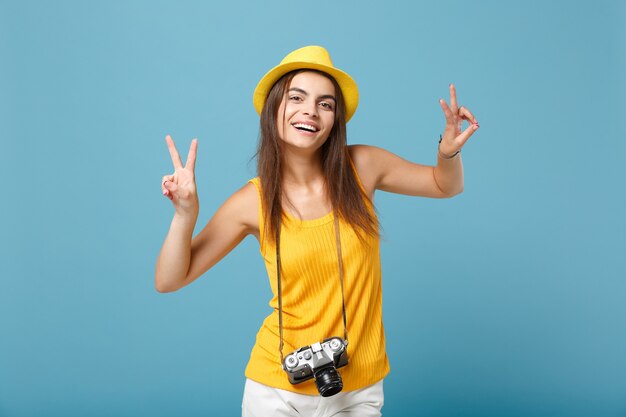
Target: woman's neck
x=302 y=170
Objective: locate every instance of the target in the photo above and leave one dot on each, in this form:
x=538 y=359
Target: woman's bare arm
x=383 y=170
x=183 y=259
x=380 y=169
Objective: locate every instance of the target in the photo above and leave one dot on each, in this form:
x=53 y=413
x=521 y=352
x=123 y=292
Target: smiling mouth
x=305 y=127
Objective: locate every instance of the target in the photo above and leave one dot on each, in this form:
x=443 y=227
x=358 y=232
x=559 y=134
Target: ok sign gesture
x=453 y=139
x=180 y=187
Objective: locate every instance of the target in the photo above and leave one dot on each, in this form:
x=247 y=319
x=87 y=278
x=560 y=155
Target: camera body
x=319 y=361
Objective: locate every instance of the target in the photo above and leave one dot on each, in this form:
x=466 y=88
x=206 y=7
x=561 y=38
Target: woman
x=311 y=210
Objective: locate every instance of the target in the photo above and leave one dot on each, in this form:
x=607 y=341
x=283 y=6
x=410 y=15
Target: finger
x=453 y=104
x=167 y=178
x=173 y=152
x=445 y=108
x=463 y=137
x=191 y=157
x=163 y=181
x=467 y=115
x=171 y=187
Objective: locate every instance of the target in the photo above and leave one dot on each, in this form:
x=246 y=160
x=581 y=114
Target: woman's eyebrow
x=322 y=97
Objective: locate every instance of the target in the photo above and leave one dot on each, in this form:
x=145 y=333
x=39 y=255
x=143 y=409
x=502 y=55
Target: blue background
x=507 y=300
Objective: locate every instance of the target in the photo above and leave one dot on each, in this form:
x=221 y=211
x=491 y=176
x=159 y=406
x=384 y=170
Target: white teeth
x=305 y=126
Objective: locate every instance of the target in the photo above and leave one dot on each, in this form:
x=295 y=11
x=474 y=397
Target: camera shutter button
x=307 y=355
x=335 y=345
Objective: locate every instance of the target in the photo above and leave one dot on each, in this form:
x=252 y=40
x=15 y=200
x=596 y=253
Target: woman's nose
x=310 y=108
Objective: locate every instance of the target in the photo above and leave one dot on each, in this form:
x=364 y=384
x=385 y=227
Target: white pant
x=262 y=401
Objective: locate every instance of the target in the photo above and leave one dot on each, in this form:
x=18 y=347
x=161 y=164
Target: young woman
x=311 y=210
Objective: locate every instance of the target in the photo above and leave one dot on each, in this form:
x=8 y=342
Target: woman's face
x=307 y=113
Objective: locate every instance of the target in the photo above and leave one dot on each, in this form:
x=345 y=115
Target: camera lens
x=328 y=381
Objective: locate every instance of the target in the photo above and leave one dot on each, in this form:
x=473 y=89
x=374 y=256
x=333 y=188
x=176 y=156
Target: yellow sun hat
x=309 y=57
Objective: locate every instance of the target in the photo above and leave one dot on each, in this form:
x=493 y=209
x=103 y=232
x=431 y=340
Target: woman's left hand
x=453 y=139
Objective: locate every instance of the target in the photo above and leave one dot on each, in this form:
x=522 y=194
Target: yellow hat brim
x=346 y=83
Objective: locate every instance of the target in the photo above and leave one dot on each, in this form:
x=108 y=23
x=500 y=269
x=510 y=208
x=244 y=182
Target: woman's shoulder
x=364 y=159
x=243 y=204
x=248 y=193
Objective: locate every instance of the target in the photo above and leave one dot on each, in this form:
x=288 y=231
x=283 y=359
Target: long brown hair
x=347 y=198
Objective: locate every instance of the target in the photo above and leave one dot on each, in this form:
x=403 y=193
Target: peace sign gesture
x=453 y=139
x=180 y=187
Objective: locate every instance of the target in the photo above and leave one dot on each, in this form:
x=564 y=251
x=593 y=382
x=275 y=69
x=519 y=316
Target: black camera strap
x=280 y=302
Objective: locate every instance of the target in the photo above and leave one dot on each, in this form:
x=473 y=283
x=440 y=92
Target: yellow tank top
x=311 y=298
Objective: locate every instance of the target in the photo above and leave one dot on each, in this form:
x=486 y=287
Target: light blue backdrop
x=507 y=300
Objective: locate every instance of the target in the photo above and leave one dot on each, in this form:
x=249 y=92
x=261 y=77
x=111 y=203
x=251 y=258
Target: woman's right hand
x=180 y=187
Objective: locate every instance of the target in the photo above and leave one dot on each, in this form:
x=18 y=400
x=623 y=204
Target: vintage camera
x=319 y=361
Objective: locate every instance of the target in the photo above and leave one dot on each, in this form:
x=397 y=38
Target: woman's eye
x=294 y=98
x=326 y=105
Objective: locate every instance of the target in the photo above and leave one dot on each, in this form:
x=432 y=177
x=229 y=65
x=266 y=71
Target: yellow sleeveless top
x=311 y=298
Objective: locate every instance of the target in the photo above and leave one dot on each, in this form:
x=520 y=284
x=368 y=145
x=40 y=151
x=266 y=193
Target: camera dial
x=291 y=361
x=335 y=345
